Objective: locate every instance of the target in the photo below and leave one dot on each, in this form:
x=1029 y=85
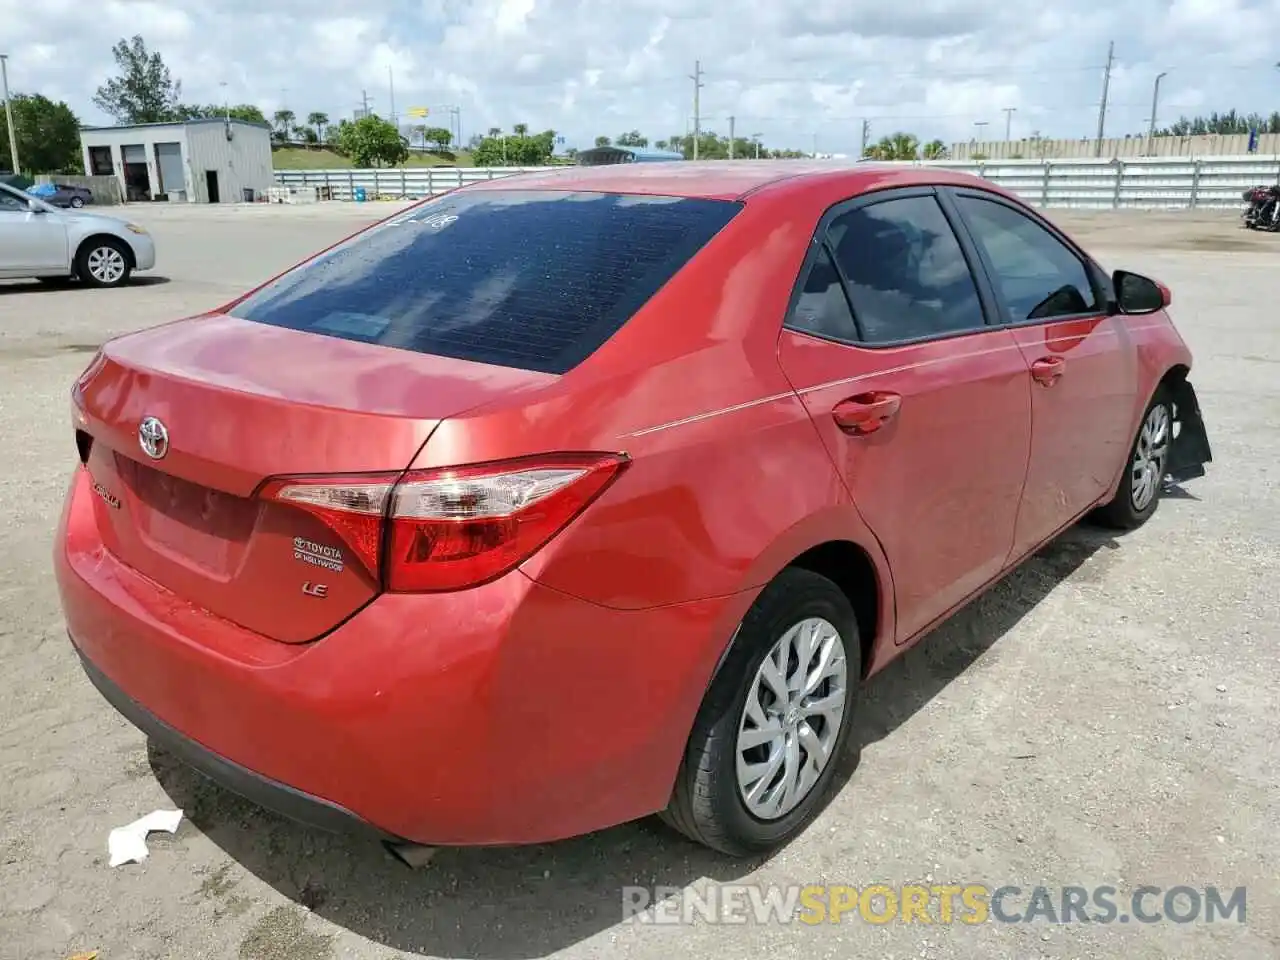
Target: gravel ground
x=1104 y=716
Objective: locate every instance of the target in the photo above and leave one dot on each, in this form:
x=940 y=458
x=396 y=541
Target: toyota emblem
x=153 y=437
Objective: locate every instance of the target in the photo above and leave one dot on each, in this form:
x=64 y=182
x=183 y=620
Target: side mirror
x=1136 y=294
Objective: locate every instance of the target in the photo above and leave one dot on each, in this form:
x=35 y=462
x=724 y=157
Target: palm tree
x=319 y=120
x=284 y=123
x=520 y=129
x=935 y=150
x=905 y=146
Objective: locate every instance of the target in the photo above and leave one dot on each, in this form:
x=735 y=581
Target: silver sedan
x=39 y=240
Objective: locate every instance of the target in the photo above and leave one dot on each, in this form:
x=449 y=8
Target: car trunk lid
x=228 y=404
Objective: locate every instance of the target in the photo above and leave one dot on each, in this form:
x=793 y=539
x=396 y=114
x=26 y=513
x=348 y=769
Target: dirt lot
x=1104 y=716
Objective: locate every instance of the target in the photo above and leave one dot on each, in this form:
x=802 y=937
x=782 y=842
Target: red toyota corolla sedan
x=561 y=500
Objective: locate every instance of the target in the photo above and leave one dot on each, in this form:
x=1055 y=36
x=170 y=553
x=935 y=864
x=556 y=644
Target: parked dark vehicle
x=1262 y=208
x=63 y=195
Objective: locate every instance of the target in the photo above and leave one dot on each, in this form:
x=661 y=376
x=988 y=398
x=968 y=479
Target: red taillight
x=353 y=507
x=450 y=528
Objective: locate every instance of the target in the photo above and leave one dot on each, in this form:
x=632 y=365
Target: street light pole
x=8 y=111
x=1155 y=103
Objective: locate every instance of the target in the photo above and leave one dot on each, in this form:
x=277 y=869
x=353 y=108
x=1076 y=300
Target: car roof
x=725 y=179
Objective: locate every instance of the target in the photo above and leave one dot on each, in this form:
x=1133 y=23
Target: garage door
x=169 y=160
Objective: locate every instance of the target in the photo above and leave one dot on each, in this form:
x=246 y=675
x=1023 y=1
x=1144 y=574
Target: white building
x=200 y=161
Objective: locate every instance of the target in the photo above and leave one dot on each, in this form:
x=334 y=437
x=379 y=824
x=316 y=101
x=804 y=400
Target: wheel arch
x=98 y=238
x=838 y=545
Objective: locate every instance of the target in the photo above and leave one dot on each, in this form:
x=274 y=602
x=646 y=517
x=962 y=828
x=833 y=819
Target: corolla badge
x=153 y=437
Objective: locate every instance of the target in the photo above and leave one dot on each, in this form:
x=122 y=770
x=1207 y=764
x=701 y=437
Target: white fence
x=1152 y=184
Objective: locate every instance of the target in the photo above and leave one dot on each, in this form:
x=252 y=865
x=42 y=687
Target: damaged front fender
x=1189 y=451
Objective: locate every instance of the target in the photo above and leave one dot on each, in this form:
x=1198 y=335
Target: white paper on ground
x=129 y=844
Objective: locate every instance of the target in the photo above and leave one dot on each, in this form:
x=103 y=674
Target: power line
x=1200 y=68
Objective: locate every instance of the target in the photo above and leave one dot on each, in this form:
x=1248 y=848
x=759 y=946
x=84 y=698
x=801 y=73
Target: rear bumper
x=509 y=713
x=279 y=797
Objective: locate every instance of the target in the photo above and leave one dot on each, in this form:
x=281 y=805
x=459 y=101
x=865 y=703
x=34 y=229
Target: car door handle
x=867 y=412
x=1047 y=370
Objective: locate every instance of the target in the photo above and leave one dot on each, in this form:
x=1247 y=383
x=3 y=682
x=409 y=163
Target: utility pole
x=8 y=111
x=364 y=100
x=1008 y=121
x=391 y=88
x=1155 y=103
x=731 y=121
x=1106 y=86
x=696 y=77
x=866 y=132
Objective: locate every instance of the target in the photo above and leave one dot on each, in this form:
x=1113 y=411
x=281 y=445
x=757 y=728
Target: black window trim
x=1098 y=281
x=991 y=308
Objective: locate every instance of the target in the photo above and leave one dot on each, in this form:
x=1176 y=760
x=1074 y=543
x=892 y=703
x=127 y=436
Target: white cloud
x=799 y=72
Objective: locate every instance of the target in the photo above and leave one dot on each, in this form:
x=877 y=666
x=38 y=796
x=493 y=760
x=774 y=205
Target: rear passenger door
x=1084 y=366
x=922 y=405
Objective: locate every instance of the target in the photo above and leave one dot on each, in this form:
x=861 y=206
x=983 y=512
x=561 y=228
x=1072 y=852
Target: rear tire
x=104 y=262
x=744 y=808
x=1143 y=482
x=77 y=202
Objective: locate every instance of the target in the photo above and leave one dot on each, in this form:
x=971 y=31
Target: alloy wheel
x=791 y=719
x=1150 y=454
x=106 y=265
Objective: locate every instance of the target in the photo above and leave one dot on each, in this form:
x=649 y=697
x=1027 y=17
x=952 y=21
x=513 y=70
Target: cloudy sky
x=799 y=72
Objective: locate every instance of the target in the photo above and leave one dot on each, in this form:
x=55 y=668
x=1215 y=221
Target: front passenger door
x=29 y=242
x=1084 y=366
x=923 y=407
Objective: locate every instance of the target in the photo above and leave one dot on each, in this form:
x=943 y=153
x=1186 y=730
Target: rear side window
x=822 y=307
x=531 y=279
x=907 y=275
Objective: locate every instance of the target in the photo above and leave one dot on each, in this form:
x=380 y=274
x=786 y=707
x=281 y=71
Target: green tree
x=285 y=125
x=897 y=146
x=318 y=120
x=633 y=138
x=144 y=92
x=934 y=150
x=48 y=135
x=603 y=142
x=515 y=149
x=211 y=111
x=439 y=136
x=1222 y=124
x=372 y=142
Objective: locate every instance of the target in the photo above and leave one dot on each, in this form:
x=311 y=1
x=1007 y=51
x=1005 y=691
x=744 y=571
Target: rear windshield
x=530 y=279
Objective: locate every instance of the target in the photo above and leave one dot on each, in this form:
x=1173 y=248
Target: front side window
x=13 y=202
x=907 y=275
x=1037 y=275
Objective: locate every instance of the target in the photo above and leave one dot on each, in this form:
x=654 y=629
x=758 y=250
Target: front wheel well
x=1174 y=375
x=849 y=567
x=99 y=238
